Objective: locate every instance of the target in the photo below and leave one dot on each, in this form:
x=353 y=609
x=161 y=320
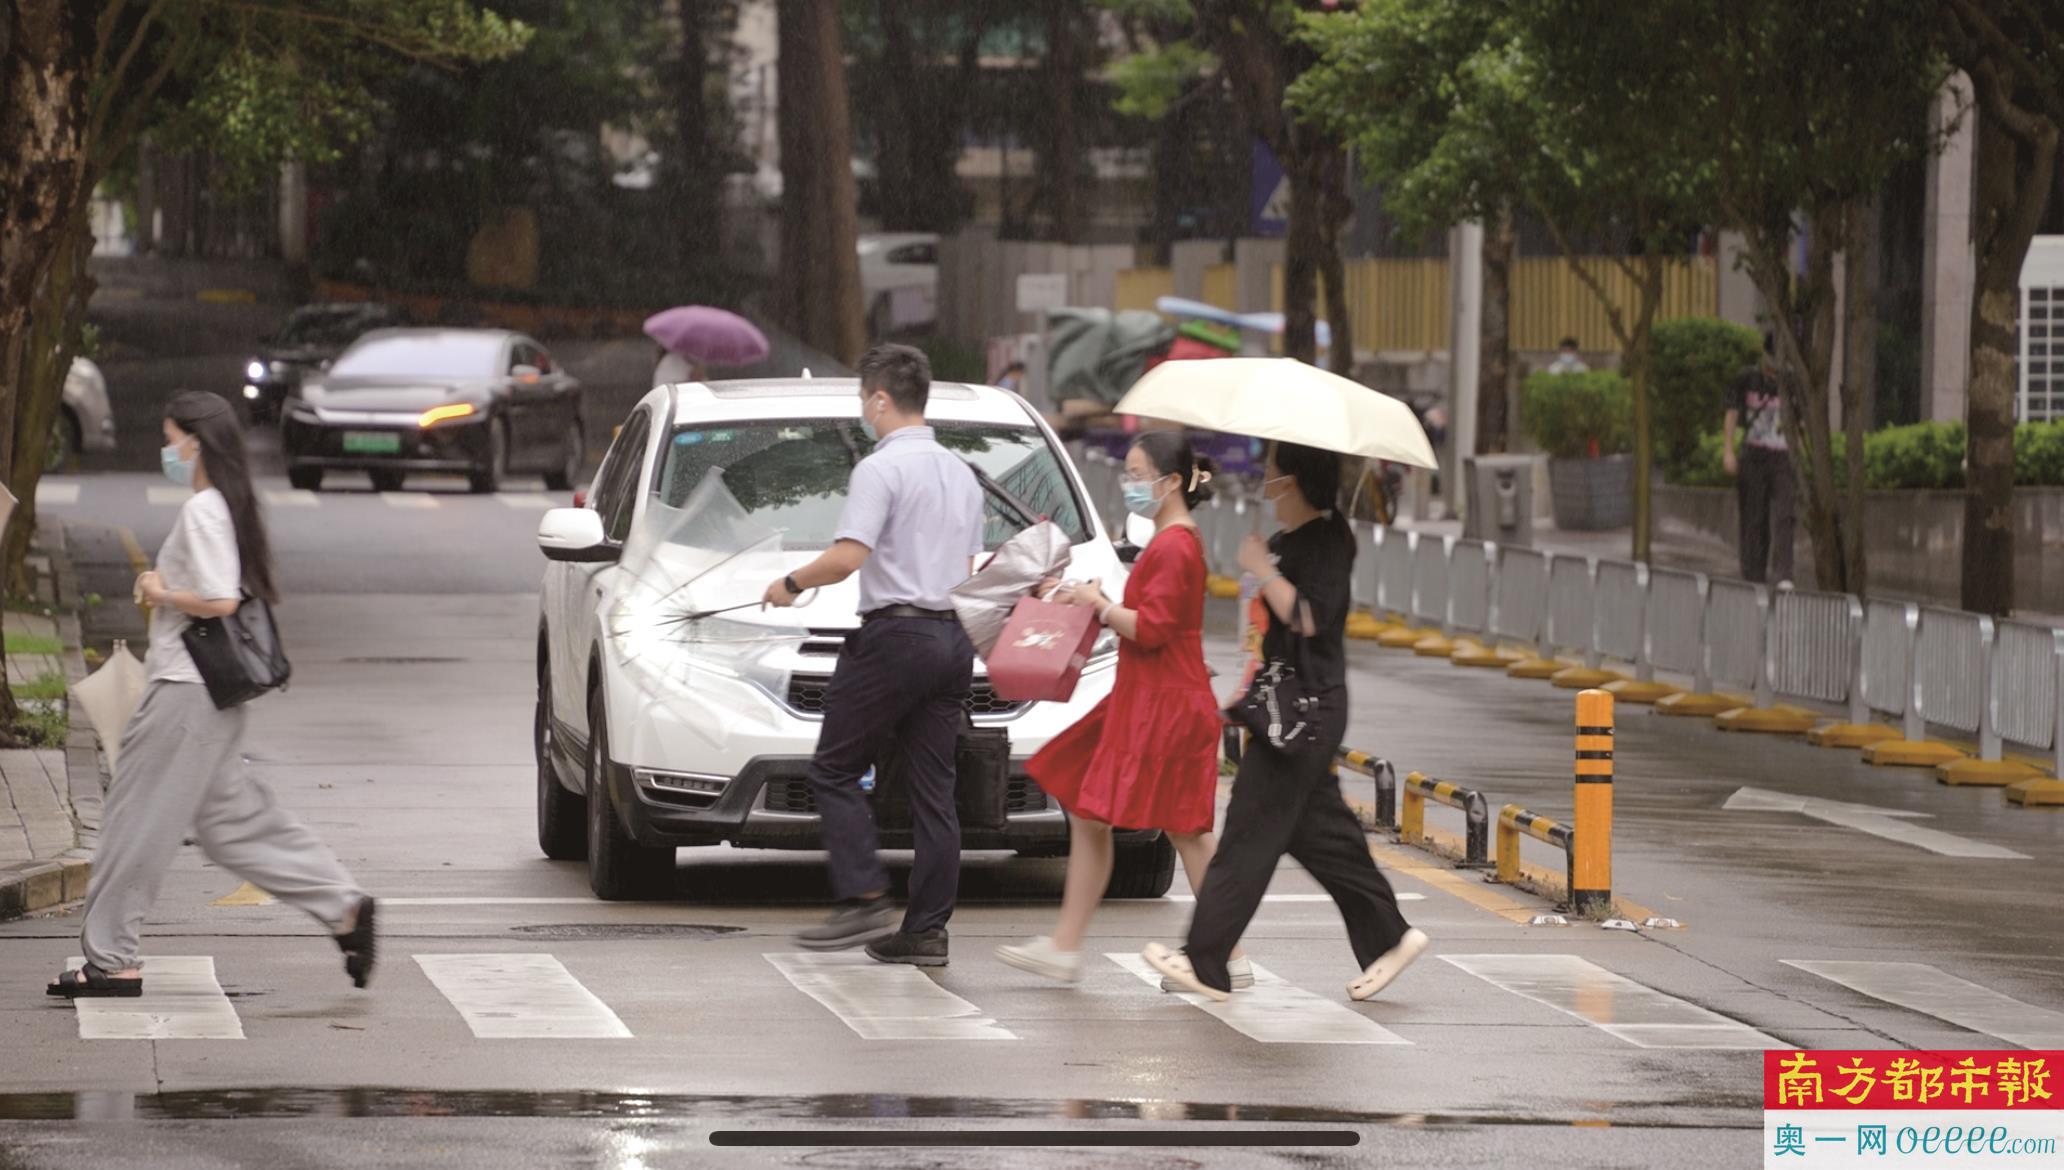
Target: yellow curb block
x=2037 y=794
x=1221 y=587
x=1365 y=626
x=1437 y=646
x=1628 y=690
x=1908 y=753
x=244 y=895
x=1703 y=706
x=1985 y=773
x=1767 y=720
x=1584 y=678
x=1851 y=735
x=1405 y=637
x=1536 y=668
x=1485 y=656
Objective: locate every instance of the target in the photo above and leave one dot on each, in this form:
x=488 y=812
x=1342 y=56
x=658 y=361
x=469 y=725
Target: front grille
x=806 y=696
x=792 y=795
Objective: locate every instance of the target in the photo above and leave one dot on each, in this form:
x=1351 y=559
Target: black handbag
x=1278 y=708
x=239 y=656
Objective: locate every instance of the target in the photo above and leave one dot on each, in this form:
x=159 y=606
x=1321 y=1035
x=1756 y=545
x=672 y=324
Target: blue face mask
x=867 y=424
x=1140 y=499
x=179 y=471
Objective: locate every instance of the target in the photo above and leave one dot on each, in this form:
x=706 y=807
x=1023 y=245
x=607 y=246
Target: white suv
x=634 y=762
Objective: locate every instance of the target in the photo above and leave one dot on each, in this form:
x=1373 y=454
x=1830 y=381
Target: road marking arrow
x=1893 y=824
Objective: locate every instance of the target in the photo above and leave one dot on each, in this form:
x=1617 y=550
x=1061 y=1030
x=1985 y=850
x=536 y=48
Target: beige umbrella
x=109 y=697
x=1283 y=399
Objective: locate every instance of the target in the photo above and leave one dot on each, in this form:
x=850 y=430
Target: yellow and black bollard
x=1591 y=850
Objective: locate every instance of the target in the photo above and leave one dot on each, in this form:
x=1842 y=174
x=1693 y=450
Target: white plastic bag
x=109 y=697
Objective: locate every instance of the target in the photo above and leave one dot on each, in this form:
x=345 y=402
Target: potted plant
x=1583 y=422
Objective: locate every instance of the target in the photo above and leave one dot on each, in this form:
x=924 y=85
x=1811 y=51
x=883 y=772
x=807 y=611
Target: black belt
x=909 y=611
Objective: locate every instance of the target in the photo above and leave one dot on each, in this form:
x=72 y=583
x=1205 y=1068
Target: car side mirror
x=575 y=536
x=1128 y=553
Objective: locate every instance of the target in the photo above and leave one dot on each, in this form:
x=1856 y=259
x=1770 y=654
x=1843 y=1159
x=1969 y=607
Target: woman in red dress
x=1147 y=756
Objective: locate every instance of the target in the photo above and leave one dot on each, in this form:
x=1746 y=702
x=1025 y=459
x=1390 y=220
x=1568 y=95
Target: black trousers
x=1289 y=804
x=1767 y=491
x=898 y=680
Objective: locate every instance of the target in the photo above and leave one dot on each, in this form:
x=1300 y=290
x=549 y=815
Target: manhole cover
x=669 y=930
x=401 y=661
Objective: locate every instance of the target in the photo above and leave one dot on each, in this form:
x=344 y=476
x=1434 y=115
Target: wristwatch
x=788 y=582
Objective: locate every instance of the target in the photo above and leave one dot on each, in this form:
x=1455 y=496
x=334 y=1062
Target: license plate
x=372 y=443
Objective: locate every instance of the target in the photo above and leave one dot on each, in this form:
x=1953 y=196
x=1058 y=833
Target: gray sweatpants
x=182 y=768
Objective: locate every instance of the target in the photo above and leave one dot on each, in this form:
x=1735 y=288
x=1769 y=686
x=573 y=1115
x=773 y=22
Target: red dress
x=1147 y=756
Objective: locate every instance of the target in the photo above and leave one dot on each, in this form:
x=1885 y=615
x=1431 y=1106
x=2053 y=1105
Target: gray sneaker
x=853 y=924
x=926 y=949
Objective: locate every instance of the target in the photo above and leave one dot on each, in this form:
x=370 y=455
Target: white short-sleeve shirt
x=919 y=508
x=199 y=557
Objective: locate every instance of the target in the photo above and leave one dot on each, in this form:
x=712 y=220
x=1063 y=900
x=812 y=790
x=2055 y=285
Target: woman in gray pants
x=181 y=764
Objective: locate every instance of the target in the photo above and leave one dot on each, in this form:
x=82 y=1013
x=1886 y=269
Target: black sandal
x=90 y=982
x=358 y=945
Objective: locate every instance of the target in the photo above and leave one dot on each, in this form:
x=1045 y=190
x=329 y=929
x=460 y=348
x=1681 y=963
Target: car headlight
x=450 y=412
x=662 y=646
x=250 y=391
x=255 y=371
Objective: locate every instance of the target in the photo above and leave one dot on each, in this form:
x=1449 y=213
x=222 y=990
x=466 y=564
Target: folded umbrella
x=717 y=337
x=1282 y=399
x=984 y=601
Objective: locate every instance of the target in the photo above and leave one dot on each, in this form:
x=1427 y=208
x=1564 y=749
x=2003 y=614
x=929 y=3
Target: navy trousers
x=900 y=681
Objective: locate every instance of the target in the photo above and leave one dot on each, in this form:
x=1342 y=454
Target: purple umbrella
x=703 y=334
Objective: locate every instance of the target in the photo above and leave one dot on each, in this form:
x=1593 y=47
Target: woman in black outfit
x=1288 y=800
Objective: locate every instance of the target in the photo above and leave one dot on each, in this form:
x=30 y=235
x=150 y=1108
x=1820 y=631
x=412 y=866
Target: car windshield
x=792 y=475
x=436 y=355
x=330 y=326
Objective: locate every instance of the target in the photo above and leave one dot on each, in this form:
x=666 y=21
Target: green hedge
x=1693 y=362
x=1567 y=414
x=1923 y=455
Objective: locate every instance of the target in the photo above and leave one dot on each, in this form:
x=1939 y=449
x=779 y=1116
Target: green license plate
x=372 y=443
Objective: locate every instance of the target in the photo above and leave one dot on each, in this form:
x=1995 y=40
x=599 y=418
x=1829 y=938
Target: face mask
x=867 y=424
x=1270 y=483
x=179 y=471
x=1140 y=499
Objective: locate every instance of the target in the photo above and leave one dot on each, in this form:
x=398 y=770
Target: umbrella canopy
x=718 y=337
x=1279 y=398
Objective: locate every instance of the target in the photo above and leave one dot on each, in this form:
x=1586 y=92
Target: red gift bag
x=1041 y=652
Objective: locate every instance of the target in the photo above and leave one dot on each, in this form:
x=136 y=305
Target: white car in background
x=85 y=421
x=648 y=744
x=899 y=280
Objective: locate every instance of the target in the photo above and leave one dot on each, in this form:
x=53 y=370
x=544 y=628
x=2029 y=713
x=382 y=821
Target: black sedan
x=312 y=338
x=482 y=403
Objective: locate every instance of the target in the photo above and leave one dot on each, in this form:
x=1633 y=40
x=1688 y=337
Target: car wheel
x=619 y=869
x=560 y=478
x=562 y=816
x=305 y=479
x=388 y=481
x=1142 y=869
x=489 y=478
x=64 y=443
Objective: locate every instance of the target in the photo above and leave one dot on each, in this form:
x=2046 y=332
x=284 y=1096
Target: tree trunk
x=1063 y=163
x=1859 y=378
x=695 y=173
x=1337 y=209
x=1494 y=371
x=54 y=335
x=819 y=212
x=1304 y=250
x=1651 y=293
x=2016 y=171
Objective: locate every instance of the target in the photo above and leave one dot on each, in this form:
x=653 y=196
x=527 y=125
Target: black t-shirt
x=1318 y=558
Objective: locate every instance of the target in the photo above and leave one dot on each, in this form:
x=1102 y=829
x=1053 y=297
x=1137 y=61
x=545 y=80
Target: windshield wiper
x=1005 y=496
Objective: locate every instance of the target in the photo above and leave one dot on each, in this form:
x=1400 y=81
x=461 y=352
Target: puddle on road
x=676 y=931
x=292 y=1102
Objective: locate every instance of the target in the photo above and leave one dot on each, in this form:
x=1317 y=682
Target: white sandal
x=1388 y=967
x=1175 y=968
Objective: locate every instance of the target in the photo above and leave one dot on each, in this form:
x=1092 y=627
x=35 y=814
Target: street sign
x=1269 y=200
x=1042 y=292
x=1893 y=824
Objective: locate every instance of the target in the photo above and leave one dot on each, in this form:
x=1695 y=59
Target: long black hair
x=211 y=421
x=1170 y=453
x=1317 y=477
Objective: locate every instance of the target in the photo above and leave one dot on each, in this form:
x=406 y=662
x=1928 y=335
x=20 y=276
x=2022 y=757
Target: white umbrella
x=1283 y=399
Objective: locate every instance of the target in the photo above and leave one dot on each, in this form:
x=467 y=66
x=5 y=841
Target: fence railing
x=1900 y=671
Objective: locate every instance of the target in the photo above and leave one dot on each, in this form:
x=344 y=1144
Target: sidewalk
x=50 y=796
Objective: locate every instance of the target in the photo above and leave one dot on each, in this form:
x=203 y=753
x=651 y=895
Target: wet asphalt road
x=405 y=743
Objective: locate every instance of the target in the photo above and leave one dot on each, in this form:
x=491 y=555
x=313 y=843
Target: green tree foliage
x=1696 y=361
x=1579 y=416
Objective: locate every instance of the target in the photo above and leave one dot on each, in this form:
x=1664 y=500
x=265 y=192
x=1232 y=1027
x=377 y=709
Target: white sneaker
x=1241 y=969
x=1389 y=967
x=1175 y=968
x=1041 y=957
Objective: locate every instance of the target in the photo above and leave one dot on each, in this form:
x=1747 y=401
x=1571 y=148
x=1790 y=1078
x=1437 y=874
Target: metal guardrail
x=1418 y=789
x=1519 y=594
x=1952 y=666
x=1394 y=574
x=1885 y=666
x=2025 y=698
x=1572 y=622
x=1430 y=579
x=1368 y=555
x=1619 y=611
x=1737 y=614
x=1673 y=630
x=1814 y=639
x=1378 y=770
x=1470 y=568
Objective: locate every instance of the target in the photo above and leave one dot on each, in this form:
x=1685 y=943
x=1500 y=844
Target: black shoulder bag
x=239 y=656
x=1279 y=706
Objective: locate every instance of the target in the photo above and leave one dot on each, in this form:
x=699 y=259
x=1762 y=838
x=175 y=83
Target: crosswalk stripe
x=55 y=493
x=165 y=495
x=181 y=1001
x=409 y=499
x=521 y=997
x=292 y=498
x=1274 y=1012
x=1921 y=988
x=1615 y=1004
x=1290 y=897
x=527 y=500
x=883 y=1002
